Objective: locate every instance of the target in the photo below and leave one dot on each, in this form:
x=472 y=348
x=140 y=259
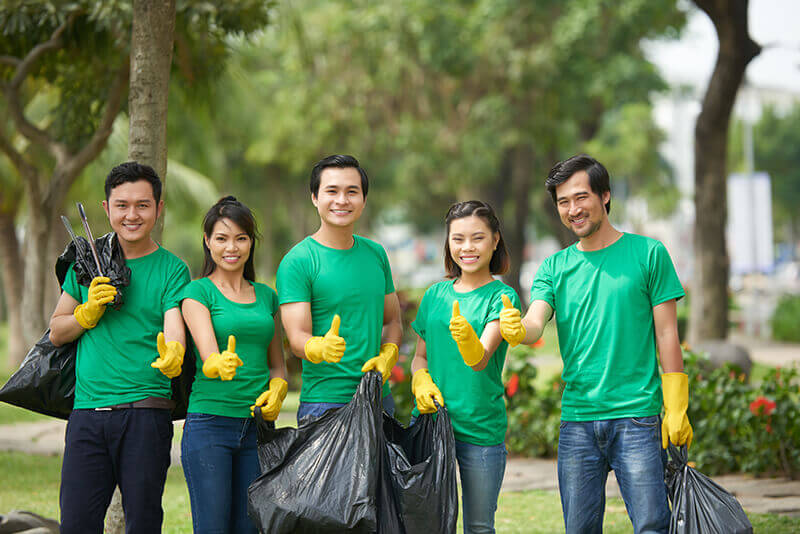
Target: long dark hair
x=230 y=208
x=500 y=261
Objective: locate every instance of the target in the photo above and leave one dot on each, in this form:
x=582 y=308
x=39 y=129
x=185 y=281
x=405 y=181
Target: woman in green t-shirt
x=461 y=351
x=226 y=309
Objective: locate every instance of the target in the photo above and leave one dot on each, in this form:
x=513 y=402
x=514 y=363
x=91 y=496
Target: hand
x=170 y=356
x=329 y=347
x=271 y=400
x=100 y=294
x=223 y=365
x=425 y=391
x=383 y=362
x=465 y=337
x=676 y=427
x=511 y=327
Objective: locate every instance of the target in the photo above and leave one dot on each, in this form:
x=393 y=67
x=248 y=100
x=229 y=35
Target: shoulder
x=170 y=260
x=263 y=289
x=501 y=288
x=439 y=288
x=300 y=253
x=198 y=289
x=369 y=244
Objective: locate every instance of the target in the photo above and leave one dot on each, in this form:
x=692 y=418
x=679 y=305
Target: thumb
x=506 y=301
x=231 y=343
x=456 y=311
x=161 y=344
x=335 y=325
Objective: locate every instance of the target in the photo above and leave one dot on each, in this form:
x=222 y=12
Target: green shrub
x=786 y=319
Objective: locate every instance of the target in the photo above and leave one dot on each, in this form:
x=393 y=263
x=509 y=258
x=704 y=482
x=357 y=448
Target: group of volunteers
x=613 y=294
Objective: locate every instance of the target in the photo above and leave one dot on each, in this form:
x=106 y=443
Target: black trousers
x=129 y=448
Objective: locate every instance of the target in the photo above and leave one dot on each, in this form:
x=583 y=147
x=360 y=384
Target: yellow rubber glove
x=676 y=427
x=100 y=294
x=383 y=362
x=465 y=337
x=223 y=365
x=425 y=391
x=511 y=327
x=271 y=400
x=170 y=356
x=329 y=347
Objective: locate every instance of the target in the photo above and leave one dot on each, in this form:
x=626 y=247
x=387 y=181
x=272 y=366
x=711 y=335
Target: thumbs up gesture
x=466 y=339
x=223 y=365
x=511 y=327
x=170 y=356
x=329 y=348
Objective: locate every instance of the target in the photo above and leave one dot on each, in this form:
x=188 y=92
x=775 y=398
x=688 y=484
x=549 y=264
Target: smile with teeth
x=230 y=259
x=578 y=221
x=132 y=226
x=469 y=259
x=340 y=212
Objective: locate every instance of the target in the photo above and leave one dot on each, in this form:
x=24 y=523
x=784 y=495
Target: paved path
x=766 y=495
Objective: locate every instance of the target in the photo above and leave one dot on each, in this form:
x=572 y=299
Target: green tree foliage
x=776 y=137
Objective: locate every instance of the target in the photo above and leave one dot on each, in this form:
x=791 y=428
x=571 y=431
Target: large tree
x=708 y=317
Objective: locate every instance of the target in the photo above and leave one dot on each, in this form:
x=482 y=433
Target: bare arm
x=174 y=329
x=64 y=328
x=277 y=364
x=296 y=319
x=666 y=327
x=535 y=320
x=420 y=360
x=198 y=319
x=392 y=320
x=490 y=339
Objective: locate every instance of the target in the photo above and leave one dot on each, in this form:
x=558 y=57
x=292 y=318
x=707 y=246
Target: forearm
x=64 y=329
x=392 y=332
x=669 y=352
x=535 y=320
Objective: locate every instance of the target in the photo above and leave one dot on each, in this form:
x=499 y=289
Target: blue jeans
x=481 y=470
x=219 y=461
x=316 y=409
x=631 y=446
x=128 y=447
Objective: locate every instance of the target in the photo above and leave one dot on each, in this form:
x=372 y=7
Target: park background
x=440 y=101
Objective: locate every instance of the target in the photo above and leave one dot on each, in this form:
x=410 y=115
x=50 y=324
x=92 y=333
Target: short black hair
x=133 y=171
x=501 y=261
x=563 y=171
x=341 y=161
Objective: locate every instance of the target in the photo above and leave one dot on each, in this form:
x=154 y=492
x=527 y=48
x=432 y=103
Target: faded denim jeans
x=588 y=450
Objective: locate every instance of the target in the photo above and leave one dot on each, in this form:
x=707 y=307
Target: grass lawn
x=31 y=483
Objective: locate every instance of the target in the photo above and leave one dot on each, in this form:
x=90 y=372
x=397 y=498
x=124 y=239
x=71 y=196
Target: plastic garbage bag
x=700 y=505
x=45 y=381
x=355 y=469
x=422 y=465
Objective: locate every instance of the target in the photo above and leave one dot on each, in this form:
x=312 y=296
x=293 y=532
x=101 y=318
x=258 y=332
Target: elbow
x=54 y=338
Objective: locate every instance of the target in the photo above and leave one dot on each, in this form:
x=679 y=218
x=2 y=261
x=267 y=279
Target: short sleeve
x=176 y=282
x=196 y=290
x=496 y=305
x=542 y=288
x=420 y=322
x=663 y=283
x=294 y=284
x=70 y=285
x=273 y=300
x=387 y=272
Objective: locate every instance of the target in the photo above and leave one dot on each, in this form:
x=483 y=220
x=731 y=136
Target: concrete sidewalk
x=757 y=495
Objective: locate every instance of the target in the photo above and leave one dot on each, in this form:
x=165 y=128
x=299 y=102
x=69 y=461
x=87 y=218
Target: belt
x=149 y=402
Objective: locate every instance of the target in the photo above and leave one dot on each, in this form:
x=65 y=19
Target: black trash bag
x=422 y=466
x=700 y=505
x=324 y=475
x=45 y=381
x=112 y=262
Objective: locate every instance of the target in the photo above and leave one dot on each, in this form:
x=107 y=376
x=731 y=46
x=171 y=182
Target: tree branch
x=10 y=60
x=76 y=163
x=23 y=166
x=24 y=66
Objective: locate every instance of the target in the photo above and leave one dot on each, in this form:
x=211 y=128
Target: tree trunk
x=151 y=57
x=514 y=229
x=37 y=269
x=148 y=94
x=709 y=299
x=11 y=260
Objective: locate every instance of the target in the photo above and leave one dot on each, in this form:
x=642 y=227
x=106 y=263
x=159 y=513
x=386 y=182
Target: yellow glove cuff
x=211 y=365
x=280 y=385
x=675 y=387
x=82 y=317
x=390 y=353
x=471 y=350
x=313 y=349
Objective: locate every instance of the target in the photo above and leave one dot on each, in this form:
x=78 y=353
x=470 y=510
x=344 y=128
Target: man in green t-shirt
x=614 y=296
x=120 y=430
x=338 y=303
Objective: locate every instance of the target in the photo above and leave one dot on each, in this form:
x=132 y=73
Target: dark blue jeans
x=481 y=470
x=316 y=409
x=128 y=448
x=220 y=462
x=588 y=450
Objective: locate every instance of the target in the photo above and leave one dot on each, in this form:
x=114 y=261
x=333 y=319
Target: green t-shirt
x=352 y=283
x=603 y=302
x=474 y=399
x=253 y=325
x=114 y=357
